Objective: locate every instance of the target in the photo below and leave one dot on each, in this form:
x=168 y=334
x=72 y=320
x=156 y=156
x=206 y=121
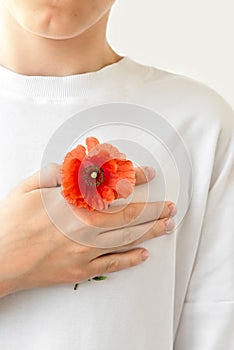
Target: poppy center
x=93 y=175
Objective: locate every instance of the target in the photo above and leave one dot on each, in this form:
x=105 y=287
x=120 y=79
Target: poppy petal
x=111 y=151
x=91 y=143
x=108 y=194
x=110 y=166
x=94 y=180
x=126 y=170
x=79 y=153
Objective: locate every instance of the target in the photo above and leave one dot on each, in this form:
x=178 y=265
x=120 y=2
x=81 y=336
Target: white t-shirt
x=183 y=295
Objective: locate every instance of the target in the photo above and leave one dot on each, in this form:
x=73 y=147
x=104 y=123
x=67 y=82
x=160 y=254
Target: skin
x=34 y=253
x=41 y=37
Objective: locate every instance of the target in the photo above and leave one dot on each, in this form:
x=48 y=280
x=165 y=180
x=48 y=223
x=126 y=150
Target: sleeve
x=207 y=320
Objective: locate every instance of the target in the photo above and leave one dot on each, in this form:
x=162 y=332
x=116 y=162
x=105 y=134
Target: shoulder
x=185 y=93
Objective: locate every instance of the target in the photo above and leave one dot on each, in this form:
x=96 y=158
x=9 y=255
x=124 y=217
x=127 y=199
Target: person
x=55 y=60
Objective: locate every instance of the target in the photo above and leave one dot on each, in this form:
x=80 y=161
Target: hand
x=34 y=253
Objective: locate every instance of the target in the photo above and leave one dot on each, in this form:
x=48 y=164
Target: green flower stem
x=100 y=278
x=76 y=286
x=97 y=278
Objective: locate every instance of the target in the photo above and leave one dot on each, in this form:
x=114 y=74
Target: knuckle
x=80 y=250
x=93 y=221
x=157 y=229
x=112 y=265
x=130 y=213
x=50 y=171
x=127 y=236
x=51 y=167
x=89 y=220
x=78 y=272
x=95 y=272
x=76 y=275
x=132 y=261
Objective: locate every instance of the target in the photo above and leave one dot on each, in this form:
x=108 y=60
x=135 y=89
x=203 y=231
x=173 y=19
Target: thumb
x=49 y=176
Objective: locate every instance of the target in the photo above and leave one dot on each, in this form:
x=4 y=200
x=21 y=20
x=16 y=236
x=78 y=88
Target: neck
x=28 y=54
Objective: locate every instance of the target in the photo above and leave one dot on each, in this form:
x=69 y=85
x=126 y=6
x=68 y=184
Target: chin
x=64 y=20
x=56 y=34
x=52 y=25
x=60 y=28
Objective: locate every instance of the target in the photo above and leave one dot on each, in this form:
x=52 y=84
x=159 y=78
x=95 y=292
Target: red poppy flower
x=95 y=179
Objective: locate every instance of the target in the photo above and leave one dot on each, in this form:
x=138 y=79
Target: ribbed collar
x=83 y=85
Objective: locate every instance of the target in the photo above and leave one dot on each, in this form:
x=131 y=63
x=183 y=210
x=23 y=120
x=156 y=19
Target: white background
x=189 y=37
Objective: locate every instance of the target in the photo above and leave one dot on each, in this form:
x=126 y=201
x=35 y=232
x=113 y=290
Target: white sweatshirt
x=182 y=297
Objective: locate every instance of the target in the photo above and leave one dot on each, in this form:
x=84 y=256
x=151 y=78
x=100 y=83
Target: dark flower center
x=93 y=175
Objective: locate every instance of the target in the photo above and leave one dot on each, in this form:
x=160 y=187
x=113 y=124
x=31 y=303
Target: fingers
x=117 y=261
x=144 y=174
x=148 y=231
x=133 y=235
x=49 y=176
x=132 y=214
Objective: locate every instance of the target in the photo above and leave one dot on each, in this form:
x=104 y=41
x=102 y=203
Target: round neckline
x=77 y=85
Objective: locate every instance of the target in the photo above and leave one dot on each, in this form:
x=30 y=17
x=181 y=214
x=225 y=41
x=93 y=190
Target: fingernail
x=169 y=225
x=144 y=255
x=150 y=172
x=172 y=209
